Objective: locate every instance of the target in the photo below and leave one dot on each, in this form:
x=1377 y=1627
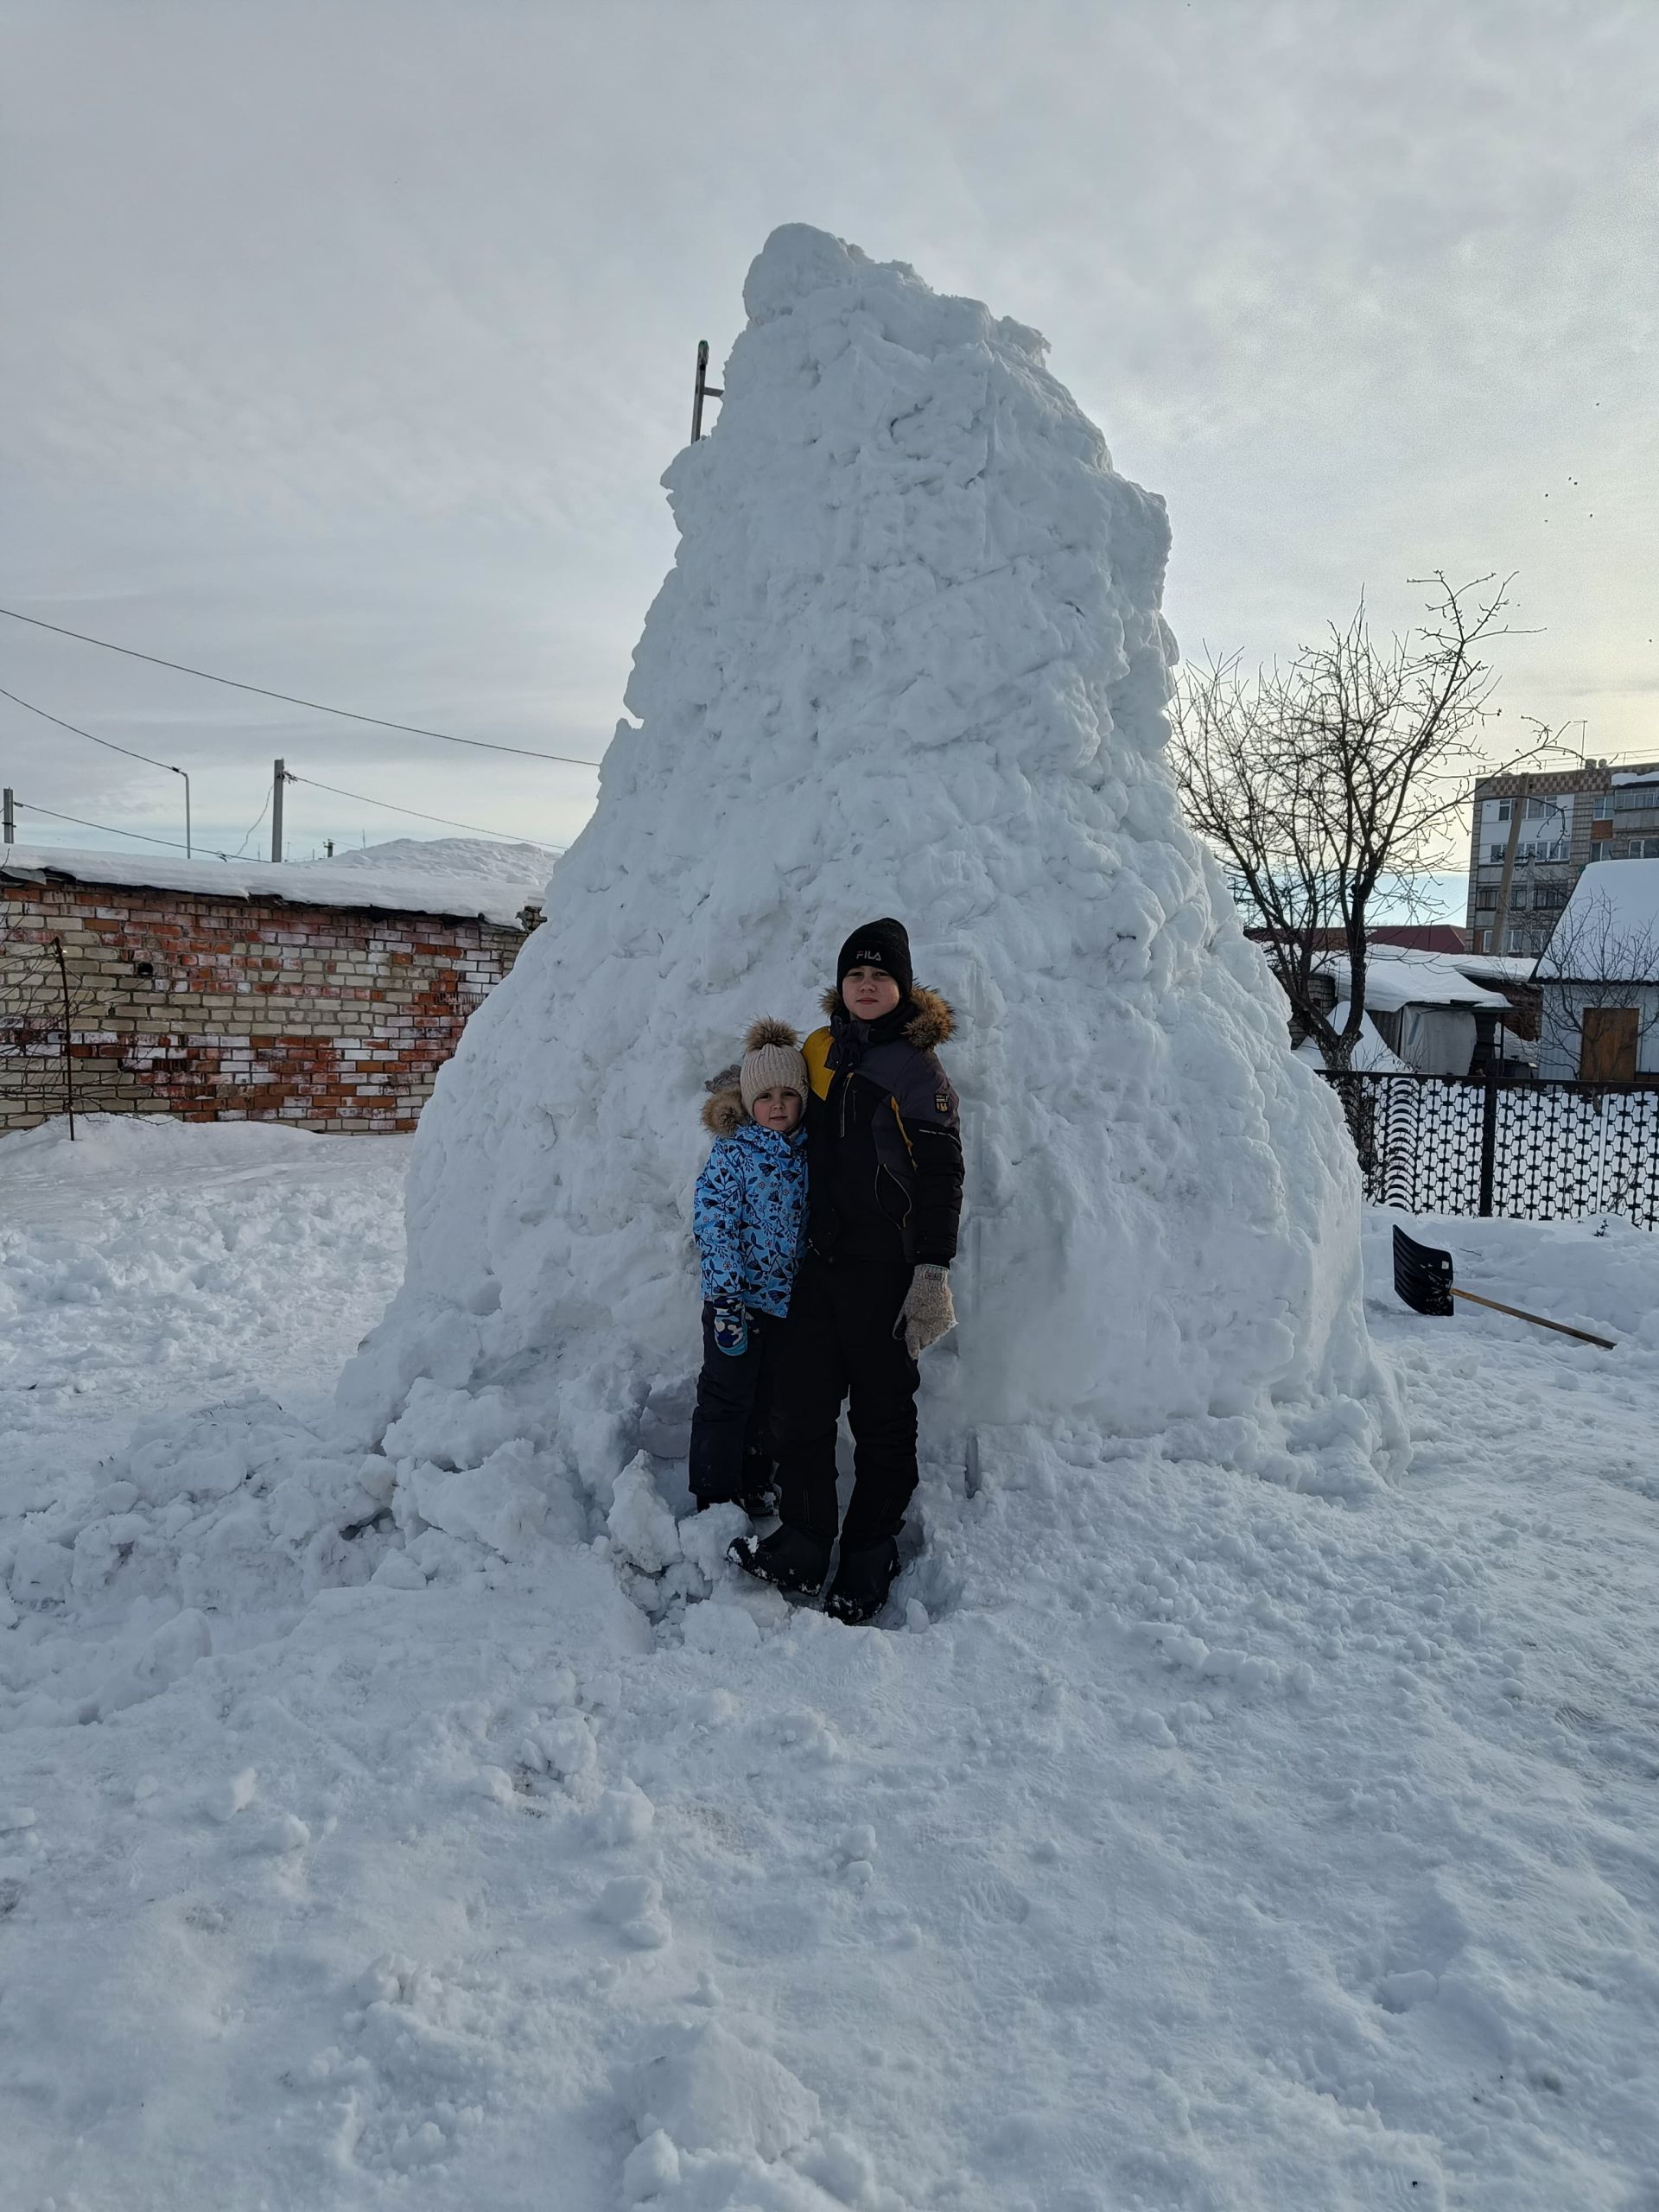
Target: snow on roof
x=1397 y=976
x=452 y=875
x=1370 y=1055
x=1636 y=775
x=1503 y=967
x=1610 y=927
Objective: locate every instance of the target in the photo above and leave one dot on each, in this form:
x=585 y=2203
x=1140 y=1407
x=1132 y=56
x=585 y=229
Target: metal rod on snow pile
x=701 y=389
x=279 y=777
x=68 y=1058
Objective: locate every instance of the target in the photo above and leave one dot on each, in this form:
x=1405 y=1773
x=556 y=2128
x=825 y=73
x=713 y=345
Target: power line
x=258 y=819
x=110 y=829
x=75 y=730
x=316 y=706
x=363 y=800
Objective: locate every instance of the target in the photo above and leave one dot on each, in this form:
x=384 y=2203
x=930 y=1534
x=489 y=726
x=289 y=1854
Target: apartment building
x=1568 y=819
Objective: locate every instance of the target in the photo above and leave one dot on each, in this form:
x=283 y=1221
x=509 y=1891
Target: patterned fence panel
x=1533 y=1152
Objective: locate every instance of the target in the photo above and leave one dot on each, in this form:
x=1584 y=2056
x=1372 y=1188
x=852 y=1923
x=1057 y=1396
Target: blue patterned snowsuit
x=749 y=1217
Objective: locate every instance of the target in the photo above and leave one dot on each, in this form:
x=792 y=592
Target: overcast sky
x=343 y=346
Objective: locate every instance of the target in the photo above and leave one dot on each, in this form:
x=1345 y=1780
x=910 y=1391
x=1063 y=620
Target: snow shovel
x=1422 y=1277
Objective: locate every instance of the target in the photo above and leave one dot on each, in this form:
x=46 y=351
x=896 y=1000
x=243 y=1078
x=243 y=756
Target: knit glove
x=731 y=1326
x=928 y=1312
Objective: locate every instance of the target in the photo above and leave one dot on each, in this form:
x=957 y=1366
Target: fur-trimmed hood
x=723 y=1110
x=932 y=1024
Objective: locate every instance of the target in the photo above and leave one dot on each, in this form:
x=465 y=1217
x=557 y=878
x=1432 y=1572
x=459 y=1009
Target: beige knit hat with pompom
x=771 y=1061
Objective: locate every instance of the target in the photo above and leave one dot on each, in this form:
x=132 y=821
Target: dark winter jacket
x=749 y=1212
x=884 y=1141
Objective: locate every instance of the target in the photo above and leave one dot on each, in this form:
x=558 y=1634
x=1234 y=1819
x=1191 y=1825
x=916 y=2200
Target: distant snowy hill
x=452 y=858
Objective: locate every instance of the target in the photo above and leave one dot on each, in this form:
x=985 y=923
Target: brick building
x=321 y=995
x=1561 y=821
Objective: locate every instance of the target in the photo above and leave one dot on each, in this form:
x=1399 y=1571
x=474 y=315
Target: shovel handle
x=1537 y=1319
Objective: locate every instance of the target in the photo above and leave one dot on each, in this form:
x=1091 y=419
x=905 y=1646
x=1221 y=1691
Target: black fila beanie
x=882 y=944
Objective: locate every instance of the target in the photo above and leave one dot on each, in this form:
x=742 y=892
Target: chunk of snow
x=623 y=1815
x=222 y=1801
x=502 y=1504
x=634 y=1905
x=649 y=2168
x=164 y=1655
x=708 y=2091
x=639 y=1524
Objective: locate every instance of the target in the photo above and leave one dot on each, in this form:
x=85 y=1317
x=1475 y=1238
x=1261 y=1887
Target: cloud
x=346 y=345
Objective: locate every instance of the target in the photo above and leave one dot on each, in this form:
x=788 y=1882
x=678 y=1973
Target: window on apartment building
x=1550 y=898
x=1537 y=809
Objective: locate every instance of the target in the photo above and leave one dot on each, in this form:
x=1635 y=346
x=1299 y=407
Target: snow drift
x=909 y=659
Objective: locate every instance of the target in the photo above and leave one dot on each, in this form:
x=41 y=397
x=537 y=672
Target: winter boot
x=862 y=1581
x=756 y=1491
x=788 y=1558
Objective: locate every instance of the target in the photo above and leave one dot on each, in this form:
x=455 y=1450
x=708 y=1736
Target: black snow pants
x=838 y=1343
x=731 y=1429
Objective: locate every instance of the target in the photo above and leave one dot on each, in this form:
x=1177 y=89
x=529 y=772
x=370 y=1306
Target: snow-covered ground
x=1198 y=1843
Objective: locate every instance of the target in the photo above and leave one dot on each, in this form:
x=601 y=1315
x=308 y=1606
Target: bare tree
x=1598 y=978
x=1327 y=783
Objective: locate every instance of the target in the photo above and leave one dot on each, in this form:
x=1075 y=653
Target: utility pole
x=701 y=389
x=1517 y=810
x=279 y=777
x=11 y=820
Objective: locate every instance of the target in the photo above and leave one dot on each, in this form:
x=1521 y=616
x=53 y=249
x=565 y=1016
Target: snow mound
x=909 y=659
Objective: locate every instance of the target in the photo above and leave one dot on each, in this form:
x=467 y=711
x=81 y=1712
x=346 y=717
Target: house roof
x=1397 y=976
x=1609 y=929
x=492 y=891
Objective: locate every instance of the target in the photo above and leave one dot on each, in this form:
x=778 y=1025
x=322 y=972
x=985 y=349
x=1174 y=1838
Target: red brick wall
x=328 y=1017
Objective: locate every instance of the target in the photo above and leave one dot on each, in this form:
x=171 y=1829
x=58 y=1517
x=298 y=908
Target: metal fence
x=1532 y=1151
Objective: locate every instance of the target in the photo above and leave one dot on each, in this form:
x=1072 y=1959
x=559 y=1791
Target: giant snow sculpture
x=909 y=659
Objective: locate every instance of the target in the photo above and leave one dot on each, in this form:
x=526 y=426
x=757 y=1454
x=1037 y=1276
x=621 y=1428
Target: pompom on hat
x=771 y=1061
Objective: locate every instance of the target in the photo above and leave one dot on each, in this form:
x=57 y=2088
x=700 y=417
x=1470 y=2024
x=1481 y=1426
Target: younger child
x=749 y=1217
